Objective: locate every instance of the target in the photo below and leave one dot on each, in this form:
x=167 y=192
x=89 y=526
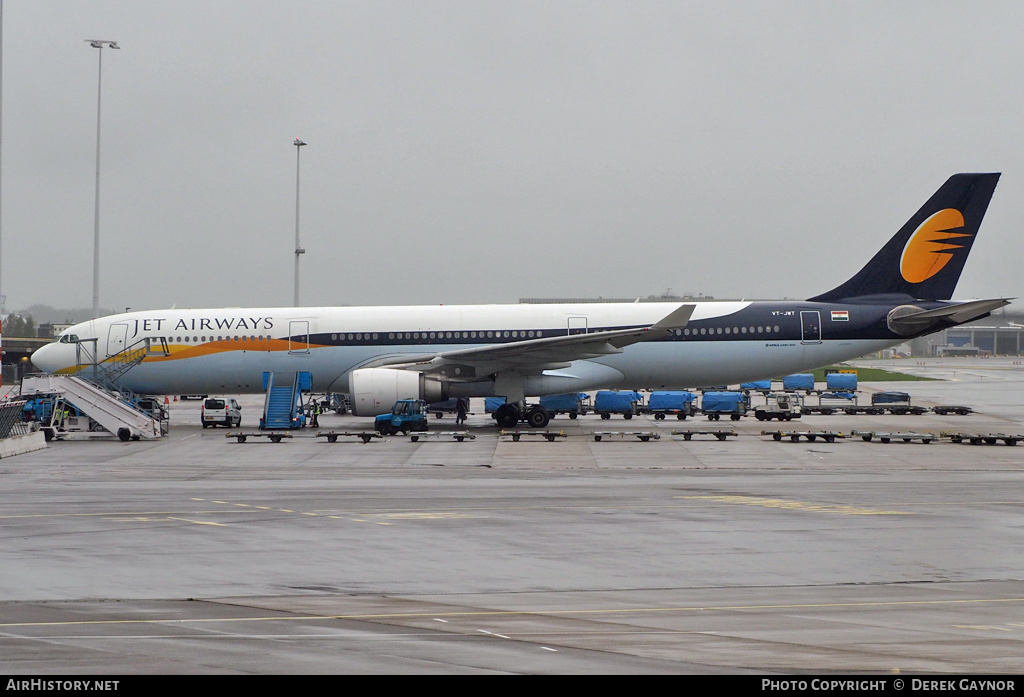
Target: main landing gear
x=508 y=415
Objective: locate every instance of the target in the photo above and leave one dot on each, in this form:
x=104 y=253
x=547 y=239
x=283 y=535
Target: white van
x=223 y=411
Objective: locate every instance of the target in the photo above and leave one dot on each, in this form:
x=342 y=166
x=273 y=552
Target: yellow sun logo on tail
x=927 y=250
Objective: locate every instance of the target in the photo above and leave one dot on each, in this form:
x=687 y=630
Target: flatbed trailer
x=550 y=436
x=795 y=436
x=854 y=409
x=985 y=438
x=905 y=436
x=688 y=433
x=274 y=436
x=332 y=436
x=944 y=409
x=642 y=435
x=447 y=435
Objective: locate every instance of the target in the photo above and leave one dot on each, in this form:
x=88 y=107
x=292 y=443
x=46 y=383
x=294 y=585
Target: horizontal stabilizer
x=908 y=320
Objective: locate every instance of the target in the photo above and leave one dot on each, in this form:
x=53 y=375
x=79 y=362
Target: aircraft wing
x=533 y=356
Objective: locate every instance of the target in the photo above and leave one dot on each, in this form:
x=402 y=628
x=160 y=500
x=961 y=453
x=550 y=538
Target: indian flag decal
x=840 y=315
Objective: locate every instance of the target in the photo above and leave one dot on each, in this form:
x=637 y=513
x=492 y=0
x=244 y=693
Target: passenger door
x=117 y=336
x=298 y=336
x=810 y=327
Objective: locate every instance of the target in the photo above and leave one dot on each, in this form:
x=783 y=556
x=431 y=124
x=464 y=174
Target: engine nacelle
x=374 y=391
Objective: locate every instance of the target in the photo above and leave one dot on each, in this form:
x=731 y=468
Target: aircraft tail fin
x=924 y=259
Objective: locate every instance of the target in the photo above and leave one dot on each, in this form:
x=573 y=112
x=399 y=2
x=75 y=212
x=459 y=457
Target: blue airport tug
x=407 y=415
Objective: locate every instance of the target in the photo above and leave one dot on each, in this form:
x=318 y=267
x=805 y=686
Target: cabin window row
x=203 y=339
x=704 y=331
x=512 y=334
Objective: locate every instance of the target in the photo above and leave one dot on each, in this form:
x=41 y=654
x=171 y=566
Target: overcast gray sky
x=483 y=151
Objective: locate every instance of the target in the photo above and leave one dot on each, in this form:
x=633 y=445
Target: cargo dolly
x=274 y=436
x=688 y=433
x=795 y=436
x=985 y=438
x=952 y=409
x=548 y=435
x=905 y=436
x=642 y=435
x=332 y=436
x=451 y=435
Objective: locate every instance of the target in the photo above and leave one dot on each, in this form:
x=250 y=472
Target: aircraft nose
x=45 y=358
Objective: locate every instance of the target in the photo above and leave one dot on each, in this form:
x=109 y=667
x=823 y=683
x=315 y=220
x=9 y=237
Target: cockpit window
x=69 y=339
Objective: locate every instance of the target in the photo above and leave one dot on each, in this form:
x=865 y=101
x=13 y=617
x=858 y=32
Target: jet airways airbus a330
x=381 y=354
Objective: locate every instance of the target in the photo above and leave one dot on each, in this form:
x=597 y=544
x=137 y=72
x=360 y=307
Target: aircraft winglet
x=677 y=319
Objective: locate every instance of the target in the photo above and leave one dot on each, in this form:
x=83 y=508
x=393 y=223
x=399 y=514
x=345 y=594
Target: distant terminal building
x=1000 y=334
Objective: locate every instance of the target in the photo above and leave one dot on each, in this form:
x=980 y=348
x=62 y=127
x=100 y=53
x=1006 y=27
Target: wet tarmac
x=197 y=554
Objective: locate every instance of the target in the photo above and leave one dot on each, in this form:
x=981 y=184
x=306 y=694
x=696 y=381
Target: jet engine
x=374 y=391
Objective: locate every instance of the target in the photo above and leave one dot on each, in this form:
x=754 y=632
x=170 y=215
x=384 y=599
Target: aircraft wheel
x=507 y=415
x=537 y=417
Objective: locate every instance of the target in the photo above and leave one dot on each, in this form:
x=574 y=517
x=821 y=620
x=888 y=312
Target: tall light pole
x=298 y=248
x=98 y=43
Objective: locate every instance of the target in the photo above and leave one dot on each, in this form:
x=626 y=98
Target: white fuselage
x=228 y=350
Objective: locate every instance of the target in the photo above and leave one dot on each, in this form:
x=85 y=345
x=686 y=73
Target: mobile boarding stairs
x=95 y=391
